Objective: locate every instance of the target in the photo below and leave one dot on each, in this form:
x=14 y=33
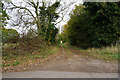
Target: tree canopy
x=94 y=24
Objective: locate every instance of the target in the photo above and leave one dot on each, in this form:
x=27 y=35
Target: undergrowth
x=14 y=54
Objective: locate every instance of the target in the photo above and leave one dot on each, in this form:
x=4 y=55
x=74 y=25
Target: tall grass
x=107 y=53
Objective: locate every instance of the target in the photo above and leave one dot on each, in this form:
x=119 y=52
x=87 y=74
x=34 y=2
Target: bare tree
x=26 y=13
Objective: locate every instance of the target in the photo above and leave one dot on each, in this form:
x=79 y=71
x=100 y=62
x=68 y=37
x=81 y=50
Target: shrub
x=10 y=36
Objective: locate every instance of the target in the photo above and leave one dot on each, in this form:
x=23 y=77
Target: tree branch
x=23 y=8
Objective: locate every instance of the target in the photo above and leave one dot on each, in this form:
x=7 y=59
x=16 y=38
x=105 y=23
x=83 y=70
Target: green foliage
x=62 y=37
x=64 y=34
x=48 y=15
x=94 y=24
x=104 y=27
x=51 y=34
x=63 y=45
x=77 y=27
x=16 y=63
x=10 y=36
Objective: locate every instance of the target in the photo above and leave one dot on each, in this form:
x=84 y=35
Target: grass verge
x=11 y=59
x=110 y=53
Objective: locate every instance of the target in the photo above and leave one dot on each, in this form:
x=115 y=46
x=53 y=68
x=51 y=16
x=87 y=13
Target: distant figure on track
x=61 y=42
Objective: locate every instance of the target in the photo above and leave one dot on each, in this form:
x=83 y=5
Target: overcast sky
x=66 y=18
